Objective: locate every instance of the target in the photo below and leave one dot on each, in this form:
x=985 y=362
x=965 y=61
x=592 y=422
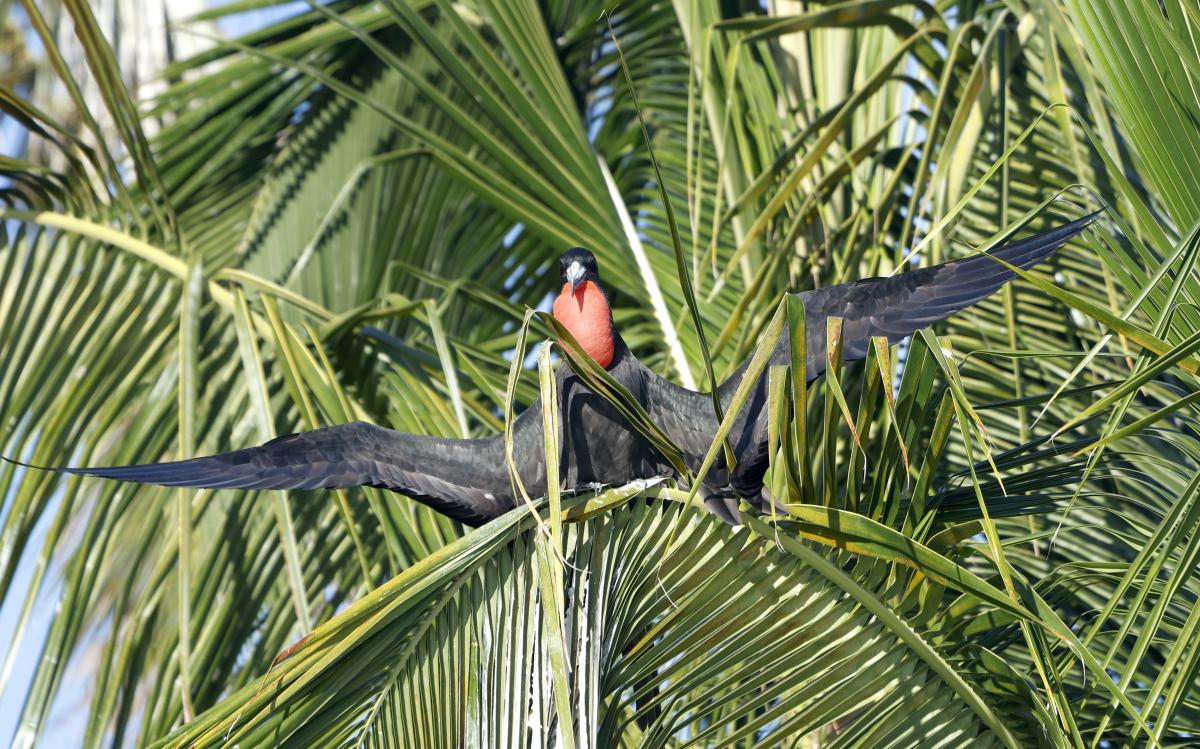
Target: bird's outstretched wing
x=465 y=479
x=900 y=305
x=895 y=307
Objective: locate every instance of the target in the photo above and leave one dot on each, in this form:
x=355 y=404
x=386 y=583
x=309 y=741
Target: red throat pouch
x=587 y=315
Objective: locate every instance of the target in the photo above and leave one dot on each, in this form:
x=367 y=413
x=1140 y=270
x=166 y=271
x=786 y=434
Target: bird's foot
x=591 y=486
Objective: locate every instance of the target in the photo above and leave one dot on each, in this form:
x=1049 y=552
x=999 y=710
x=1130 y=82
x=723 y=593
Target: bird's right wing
x=465 y=479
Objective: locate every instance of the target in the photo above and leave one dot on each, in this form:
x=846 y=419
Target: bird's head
x=577 y=266
x=582 y=306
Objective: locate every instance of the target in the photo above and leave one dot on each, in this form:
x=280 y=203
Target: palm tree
x=991 y=535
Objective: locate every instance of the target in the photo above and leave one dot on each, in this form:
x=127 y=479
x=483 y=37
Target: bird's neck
x=588 y=316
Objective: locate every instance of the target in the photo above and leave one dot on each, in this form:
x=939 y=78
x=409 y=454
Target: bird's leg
x=766 y=504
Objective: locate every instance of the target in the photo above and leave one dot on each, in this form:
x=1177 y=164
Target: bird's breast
x=600 y=445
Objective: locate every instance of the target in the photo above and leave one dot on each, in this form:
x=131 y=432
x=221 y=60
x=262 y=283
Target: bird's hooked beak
x=575 y=274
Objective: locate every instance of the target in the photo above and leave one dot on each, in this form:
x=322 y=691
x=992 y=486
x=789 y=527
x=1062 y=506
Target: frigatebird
x=468 y=479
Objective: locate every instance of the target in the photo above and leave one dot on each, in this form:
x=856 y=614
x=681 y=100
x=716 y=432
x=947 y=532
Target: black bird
x=467 y=479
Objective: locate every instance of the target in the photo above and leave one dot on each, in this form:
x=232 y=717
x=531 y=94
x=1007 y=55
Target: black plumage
x=467 y=479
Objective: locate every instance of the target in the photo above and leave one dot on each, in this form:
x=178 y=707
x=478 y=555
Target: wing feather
x=464 y=479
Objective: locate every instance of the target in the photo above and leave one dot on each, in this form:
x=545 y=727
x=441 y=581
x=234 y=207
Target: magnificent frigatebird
x=468 y=479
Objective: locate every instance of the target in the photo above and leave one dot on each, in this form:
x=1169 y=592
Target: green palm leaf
x=345 y=214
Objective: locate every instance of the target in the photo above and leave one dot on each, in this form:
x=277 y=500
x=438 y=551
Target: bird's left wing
x=893 y=307
x=898 y=306
x=686 y=416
